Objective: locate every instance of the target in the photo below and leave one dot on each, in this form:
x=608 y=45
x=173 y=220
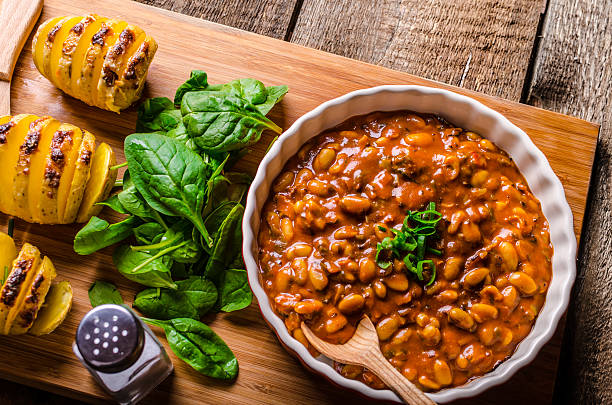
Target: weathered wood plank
x=573 y=75
x=266 y=17
x=483 y=45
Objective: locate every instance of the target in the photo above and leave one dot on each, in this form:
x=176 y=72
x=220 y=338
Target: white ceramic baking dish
x=466 y=113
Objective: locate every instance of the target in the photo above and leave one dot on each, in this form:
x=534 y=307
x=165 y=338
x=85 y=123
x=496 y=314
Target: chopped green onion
x=434 y=251
x=420 y=247
x=410 y=244
x=382 y=265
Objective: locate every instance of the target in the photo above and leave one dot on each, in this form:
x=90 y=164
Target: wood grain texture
x=268 y=374
x=266 y=17
x=17 y=18
x=5 y=98
x=483 y=45
x=574 y=76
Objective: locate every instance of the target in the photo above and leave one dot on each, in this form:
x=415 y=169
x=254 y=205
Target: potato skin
x=104 y=66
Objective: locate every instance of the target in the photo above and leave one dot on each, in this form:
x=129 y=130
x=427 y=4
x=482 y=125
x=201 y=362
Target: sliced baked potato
x=39 y=42
x=23 y=294
x=57 y=47
x=82 y=170
x=47 y=170
x=100 y=61
x=43 y=210
x=34 y=298
x=78 y=84
x=65 y=142
x=69 y=170
x=72 y=48
x=44 y=40
x=17 y=284
x=100 y=182
x=91 y=71
x=56 y=308
x=12 y=135
x=29 y=151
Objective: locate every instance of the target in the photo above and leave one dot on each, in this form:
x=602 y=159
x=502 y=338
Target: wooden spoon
x=17 y=18
x=363 y=350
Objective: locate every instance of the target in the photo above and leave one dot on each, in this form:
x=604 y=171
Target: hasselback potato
x=51 y=172
x=26 y=287
x=98 y=60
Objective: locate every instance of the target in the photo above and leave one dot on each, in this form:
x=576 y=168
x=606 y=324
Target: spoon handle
x=393 y=379
x=17 y=18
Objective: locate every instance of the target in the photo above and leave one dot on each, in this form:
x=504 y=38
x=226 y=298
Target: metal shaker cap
x=110 y=338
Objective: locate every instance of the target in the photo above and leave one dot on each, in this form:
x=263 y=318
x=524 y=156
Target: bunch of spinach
x=182 y=208
x=213 y=118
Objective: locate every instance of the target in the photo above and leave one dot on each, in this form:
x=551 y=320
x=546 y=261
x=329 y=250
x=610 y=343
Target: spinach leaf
x=235 y=188
x=197 y=81
x=231 y=186
x=113 y=203
x=159 y=115
x=192 y=299
x=147 y=232
x=228 y=244
x=169 y=176
x=177 y=242
x=275 y=94
x=102 y=292
x=253 y=91
x=215 y=219
x=151 y=117
x=234 y=290
x=98 y=234
x=199 y=346
x=134 y=202
x=180 y=270
x=219 y=122
x=189 y=252
x=142 y=267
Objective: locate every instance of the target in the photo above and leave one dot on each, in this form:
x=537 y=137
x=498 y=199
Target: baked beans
x=340 y=196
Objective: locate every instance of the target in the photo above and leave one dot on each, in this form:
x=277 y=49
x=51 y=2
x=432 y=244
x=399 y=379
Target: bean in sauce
x=339 y=196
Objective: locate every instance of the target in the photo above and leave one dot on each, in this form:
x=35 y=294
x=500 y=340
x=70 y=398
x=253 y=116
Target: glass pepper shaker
x=121 y=353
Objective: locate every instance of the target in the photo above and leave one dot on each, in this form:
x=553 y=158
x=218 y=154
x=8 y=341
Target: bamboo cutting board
x=267 y=373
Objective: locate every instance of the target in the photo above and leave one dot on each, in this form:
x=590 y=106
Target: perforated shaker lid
x=110 y=338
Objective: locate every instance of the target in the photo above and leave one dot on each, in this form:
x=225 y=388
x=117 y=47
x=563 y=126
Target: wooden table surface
x=555 y=54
